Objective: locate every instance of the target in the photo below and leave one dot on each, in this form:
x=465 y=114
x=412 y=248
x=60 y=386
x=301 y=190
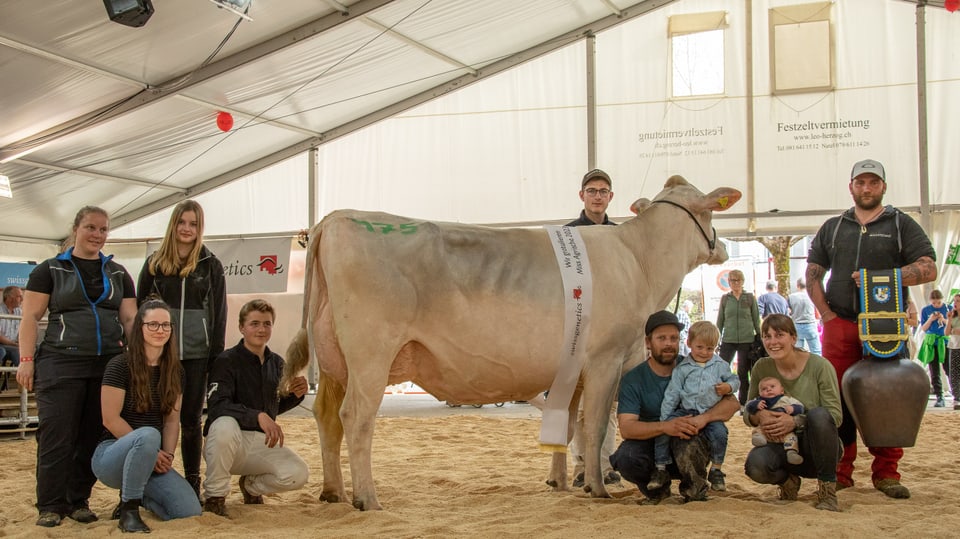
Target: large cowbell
x=886 y=395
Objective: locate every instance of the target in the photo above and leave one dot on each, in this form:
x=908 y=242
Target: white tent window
x=696 y=59
x=802 y=49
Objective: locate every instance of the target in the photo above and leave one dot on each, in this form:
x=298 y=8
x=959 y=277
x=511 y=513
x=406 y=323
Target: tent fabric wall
x=512 y=148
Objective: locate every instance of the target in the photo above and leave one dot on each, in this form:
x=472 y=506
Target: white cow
x=475 y=315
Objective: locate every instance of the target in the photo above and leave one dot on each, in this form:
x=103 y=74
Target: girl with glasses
x=140 y=401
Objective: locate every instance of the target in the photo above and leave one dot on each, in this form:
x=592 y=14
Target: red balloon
x=225 y=120
x=951 y=5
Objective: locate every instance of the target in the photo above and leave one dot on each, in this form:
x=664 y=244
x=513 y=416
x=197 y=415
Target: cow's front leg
x=598 y=396
x=358 y=414
x=558 y=472
x=558 y=465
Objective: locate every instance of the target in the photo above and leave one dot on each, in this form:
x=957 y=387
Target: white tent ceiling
x=124 y=118
x=100 y=113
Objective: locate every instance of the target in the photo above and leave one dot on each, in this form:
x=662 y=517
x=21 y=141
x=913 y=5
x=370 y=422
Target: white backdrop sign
x=251 y=266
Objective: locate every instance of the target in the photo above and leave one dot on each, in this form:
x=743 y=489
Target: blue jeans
x=715 y=432
x=127 y=464
x=807 y=337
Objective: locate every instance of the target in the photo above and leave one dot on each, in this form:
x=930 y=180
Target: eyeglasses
x=157 y=326
x=594 y=192
x=736 y=280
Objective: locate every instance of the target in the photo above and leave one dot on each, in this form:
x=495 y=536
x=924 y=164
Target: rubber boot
x=130 y=520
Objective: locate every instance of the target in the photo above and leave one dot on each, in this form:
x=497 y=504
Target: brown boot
x=216 y=505
x=827 y=496
x=892 y=487
x=247 y=497
x=790 y=488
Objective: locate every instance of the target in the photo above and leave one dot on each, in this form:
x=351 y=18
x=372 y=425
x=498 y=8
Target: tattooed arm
x=924 y=270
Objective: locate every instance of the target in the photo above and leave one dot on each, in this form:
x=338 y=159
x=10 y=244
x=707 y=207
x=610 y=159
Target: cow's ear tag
x=723 y=201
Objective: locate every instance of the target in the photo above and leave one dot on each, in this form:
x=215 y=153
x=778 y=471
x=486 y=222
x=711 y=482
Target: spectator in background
x=804 y=316
x=933 y=351
x=772 y=302
x=683 y=315
x=739 y=323
x=10 y=328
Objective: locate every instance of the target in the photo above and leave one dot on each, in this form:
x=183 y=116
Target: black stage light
x=133 y=13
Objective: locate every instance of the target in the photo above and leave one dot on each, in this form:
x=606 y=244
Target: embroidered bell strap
x=882 y=322
x=577 y=299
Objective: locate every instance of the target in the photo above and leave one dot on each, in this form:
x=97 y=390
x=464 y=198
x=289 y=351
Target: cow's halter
x=712 y=243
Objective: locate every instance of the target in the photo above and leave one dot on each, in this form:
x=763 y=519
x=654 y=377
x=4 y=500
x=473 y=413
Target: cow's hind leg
x=600 y=385
x=326 y=410
x=358 y=414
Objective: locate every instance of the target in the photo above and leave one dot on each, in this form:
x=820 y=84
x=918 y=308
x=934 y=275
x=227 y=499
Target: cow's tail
x=298 y=357
x=298 y=353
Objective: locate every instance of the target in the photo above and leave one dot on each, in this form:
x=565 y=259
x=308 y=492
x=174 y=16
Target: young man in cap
x=875 y=237
x=640 y=397
x=596 y=194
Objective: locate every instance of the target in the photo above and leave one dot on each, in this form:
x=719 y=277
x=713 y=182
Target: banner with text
x=254 y=265
x=251 y=266
x=15 y=273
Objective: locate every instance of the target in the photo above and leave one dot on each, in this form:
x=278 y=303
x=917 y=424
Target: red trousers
x=842 y=348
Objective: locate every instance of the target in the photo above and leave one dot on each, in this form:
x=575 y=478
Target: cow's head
x=678 y=192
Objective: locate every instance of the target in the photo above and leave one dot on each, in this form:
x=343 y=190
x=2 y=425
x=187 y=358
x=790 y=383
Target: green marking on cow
x=386 y=228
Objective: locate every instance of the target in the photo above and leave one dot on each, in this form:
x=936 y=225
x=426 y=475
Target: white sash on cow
x=578 y=297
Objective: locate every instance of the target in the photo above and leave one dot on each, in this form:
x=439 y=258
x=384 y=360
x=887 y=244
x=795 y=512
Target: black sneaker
x=658 y=479
x=49 y=519
x=83 y=514
x=716 y=478
x=578 y=480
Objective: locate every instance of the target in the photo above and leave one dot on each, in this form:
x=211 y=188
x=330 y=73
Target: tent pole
x=926 y=220
x=591 y=76
x=748 y=68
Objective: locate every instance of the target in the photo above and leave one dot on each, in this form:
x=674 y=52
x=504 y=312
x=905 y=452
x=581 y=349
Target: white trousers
x=230 y=451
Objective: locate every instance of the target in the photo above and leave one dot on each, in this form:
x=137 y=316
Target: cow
x=475 y=315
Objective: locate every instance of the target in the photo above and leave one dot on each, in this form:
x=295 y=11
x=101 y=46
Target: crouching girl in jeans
x=140 y=401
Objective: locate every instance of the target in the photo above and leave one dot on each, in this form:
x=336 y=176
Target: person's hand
x=298 y=386
x=682 y=427
x=775 y=425
x=856 y=278
x=788 y=409
x=723 y=388
x=164 y=462
x=761 y=405
x=272 y=432
x=25 y=375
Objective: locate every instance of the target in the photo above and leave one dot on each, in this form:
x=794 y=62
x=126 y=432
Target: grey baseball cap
x=868 y=166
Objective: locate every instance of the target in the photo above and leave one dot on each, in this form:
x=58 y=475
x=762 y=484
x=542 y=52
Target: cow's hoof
x=366 y=506
x=330 y=497
x=552 y=483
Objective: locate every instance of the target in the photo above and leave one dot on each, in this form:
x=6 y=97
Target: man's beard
x=662 y=359
x=870 y=204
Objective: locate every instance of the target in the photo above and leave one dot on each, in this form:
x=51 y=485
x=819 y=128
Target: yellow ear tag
x=723 y=201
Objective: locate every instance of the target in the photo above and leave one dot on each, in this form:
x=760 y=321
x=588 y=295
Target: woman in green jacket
x=739 y=323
